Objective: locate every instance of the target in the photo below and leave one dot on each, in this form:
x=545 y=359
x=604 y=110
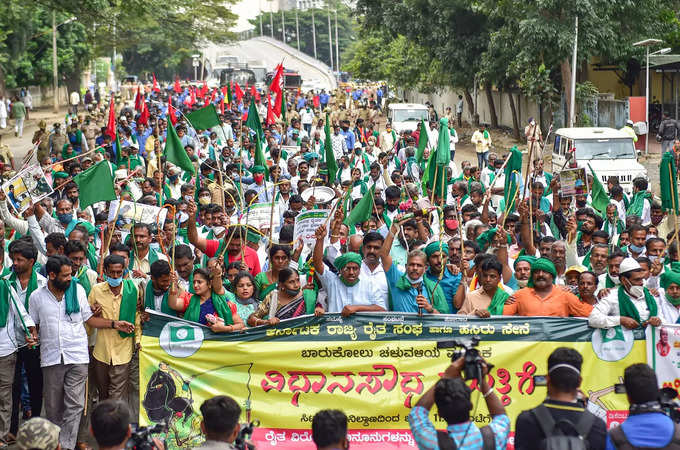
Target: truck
x=407 y=116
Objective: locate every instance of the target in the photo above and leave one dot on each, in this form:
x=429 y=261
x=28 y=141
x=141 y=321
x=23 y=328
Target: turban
x=58 y=175
x=530 y=259
x=545 y=265
x=311 y=155
x=257 y=169
x=253 y=236
x=484 y=239
x=433 y=247
x=668 y=277
x=342 y=260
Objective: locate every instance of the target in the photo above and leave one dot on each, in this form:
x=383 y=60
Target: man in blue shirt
x=437 y=257
x=348 y=134
x=454 y=405
x=646 y=426
x=410 y=292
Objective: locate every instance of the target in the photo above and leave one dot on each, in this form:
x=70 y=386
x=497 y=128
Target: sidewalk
x=21 y=146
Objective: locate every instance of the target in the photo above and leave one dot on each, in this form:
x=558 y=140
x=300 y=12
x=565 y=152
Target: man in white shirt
x=307 y=118
x=60 y=309
x=348 y=293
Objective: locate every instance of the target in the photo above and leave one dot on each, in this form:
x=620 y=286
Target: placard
x=137 y=212
x=573 y=182
x=306 y=224
x=259 y=215
x=27 y=187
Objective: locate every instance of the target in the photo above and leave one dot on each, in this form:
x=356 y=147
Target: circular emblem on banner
x=180 y=339
x=612 y=344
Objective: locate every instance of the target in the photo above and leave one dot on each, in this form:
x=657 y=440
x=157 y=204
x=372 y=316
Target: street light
x=195 y=64
x=55 y=74
x=646 y=44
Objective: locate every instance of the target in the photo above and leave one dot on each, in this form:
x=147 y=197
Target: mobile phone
x=540 y=380
x=620 y=388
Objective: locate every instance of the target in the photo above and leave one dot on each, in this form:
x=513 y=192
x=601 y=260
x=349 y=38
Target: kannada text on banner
x=373 y=367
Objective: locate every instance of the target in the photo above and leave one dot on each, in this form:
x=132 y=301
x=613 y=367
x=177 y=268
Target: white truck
x=407 y=116
x=608 y=151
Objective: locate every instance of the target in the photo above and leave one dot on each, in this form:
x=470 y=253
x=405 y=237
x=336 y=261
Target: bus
x=239 y=75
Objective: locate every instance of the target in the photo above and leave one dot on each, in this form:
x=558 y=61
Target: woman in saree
x=279 y=258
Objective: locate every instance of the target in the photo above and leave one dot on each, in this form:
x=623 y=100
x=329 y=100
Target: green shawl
x=436 y=296
x=128 y=305
x=638 y=202
x=608 y=282
x=497 y=302
x=32 y=284
x=153 y=257
x=628 y=309
x=149 y=300
x=81 y=277
x=71 y=298
x=220 y=303
x=4 y=302
x=263 y=288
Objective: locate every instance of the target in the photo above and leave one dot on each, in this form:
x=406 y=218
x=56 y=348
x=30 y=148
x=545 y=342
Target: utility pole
x=55 y=74
x=337 y=51
x=271 y=21
x=572 y=101
x=330 y=37
x=283 y=27
x=297 y=29
x=261 y=34
x=313 y=33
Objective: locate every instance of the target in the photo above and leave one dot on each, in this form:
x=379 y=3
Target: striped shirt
x=425 y=433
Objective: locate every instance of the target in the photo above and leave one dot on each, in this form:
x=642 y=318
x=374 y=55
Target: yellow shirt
x=110 y=347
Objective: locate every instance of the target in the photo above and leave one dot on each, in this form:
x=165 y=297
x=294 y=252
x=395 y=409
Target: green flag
x=668 y=183
x=174 y=151
x=229 y=94
x=253 y=122
x=331 y=163
x=204 y=118
x=362 y=211
x=422 y=142
x=118 y=147
x=513 y=173
x=599 y=196
x=437 y=163
x=95 y=184
x=283 y=107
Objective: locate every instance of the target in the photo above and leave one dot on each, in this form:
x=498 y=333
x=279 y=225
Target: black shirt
x=529 y=436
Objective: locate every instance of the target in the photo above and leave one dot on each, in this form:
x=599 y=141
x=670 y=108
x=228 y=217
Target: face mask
x=391 y=208
x=653 y=258
x=471 y=263
x=65 y=219
x=357 y=151
x=258 y=177
x=614 y=279
x=345 y=128
x=204 y=200
x=416 y=281
x=636 y=291
x=188 y=198
x=292 y=292
x=522 y=283
x=182 y=217
x=172 y=178
x=580 y=204
x=114 y=282
x=635 y=248
x=217 y=230
x=674 y=301
x=451 y=224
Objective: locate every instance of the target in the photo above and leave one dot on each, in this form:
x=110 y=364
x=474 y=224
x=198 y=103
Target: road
x=271 y=52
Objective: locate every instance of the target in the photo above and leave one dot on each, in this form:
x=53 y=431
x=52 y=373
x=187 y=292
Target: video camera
x=142 y=439
x=242 y=440
x=668 y=403
x=472 y=370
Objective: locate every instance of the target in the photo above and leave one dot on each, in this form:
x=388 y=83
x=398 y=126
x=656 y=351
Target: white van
x=609 y=152
x=407 y=116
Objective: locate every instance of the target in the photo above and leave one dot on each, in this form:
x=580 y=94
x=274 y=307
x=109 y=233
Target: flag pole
x=434 y=183
x=675 y=219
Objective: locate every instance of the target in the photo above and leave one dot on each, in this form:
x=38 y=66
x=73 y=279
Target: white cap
x=629 y=122
x=629 y=265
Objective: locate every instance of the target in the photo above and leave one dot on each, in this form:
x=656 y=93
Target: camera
x=242 y=440
x=668 y=403
x=142 y=439
x=473 y=360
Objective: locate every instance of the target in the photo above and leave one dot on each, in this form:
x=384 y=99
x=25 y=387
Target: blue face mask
x=635 y=248
x=471 y=263
x=114 y=282
x=65 y=219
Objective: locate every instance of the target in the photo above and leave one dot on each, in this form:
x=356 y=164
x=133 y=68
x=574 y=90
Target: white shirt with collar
x=377 y=279
x=605 y=314
x=12 y=335
x=341 y=295
x=63 y=339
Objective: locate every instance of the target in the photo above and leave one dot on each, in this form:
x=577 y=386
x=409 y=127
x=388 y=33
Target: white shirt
x=306 y=117
x=377 y=280
x=605 y=314
x=21 y=296
x=63 y=339
x=12 y=335
x=341 y=295
x=667 y=312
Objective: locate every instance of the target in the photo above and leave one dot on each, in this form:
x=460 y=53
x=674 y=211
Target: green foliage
x=538 y=84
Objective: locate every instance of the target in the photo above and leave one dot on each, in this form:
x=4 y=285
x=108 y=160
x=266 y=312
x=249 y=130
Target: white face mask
x=636 y=291
x=522 y=283
x=614 y=279
x=416 y=281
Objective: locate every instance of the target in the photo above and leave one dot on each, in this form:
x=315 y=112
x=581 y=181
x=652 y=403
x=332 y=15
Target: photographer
x=220 y=423
x=647 y=425
x=454 y=405
x=562 y=413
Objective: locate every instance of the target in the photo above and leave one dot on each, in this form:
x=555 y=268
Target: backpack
x=446 y=442
x=621 y=442
x=555 y=439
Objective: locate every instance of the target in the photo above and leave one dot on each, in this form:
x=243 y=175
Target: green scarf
x=128 y=305
x=153 y=257
x=32 y=285
x=626 y=307
x=220 y=303
x=638 y=203
x=497 y=302
x=436 y=296
x=486 y=134
x=81 y=277
x=149 y=300
x=71 y=298
x=609 y=283
x=92 y=258
x=619 y=227
x=4 y=302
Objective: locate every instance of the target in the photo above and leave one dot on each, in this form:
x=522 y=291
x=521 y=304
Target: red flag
x=254 y=93
x=275 y=85
x=224 y=91
x=270 y=111
x=111 y=124
x=178 y=88
x=222 y=105
x=155 y=87
x=204 y=90
x=316 y=101
x=277 y=104
x=144 y=114
x=138 y=99
x=239 y=93
x=192 y=99
x=171 y=111
x=212 y=95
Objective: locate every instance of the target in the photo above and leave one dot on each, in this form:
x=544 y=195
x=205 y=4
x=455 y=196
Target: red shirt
x=251 y=259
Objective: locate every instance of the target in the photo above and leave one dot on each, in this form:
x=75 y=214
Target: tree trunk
x=515 y=119
x=471 y=103
x=492 y=107
x=565 y=69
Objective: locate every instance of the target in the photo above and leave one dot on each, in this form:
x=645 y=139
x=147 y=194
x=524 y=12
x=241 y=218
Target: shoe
x=10 y=438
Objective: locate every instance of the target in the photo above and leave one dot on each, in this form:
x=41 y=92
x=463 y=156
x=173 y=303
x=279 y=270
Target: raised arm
x=387 y=245
x=317 y=258
x=192 y=233
x=525 y=228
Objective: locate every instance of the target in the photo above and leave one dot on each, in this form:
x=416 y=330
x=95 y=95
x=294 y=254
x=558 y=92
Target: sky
x=248 y=9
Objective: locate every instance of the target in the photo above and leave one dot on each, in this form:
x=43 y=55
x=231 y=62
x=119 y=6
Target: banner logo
x=612 y=344
x=180 y=339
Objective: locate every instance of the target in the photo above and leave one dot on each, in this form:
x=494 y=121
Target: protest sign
x=137 y=212
x=573 y=182
x=306 y=224
x=258 y=215
x=27 y=187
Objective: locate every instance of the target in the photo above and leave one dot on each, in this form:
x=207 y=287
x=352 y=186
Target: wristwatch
x=113 y=324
